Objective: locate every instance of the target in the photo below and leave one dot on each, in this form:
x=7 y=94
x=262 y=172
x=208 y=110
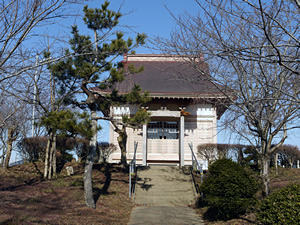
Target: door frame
x=164 y=128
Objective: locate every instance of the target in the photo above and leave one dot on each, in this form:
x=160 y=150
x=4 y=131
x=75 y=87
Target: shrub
x=105 y=150
x=281 y=207
x=228 y=189
x=33 y=149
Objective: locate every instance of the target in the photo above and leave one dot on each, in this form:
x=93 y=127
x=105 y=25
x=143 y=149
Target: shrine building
x=185 y=107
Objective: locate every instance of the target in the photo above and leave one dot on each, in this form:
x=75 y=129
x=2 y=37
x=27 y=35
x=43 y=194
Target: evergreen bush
x=228 y=189
x=281 y=207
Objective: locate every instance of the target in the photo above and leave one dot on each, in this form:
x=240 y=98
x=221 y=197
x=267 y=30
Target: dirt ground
x=25 y=198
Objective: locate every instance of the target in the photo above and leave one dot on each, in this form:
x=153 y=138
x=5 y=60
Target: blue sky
x=152 y=17
x=149 y=17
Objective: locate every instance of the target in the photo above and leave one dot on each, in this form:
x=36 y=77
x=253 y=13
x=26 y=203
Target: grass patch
x=60 y=182
x=77 y=183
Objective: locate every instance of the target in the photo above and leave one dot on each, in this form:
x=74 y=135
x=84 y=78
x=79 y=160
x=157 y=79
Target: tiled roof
x=169 y=76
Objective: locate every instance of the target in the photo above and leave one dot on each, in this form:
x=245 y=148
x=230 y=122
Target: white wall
x=200 y=128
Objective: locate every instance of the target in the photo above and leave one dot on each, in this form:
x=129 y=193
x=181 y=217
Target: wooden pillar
x=181 y=140
x=144 y=145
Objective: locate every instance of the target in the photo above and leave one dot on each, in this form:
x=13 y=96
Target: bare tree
x=288 y=155
x=20 y=23
x=32 y=149
x=38 y=92
x=212 y=151
x=252 y=48
x=13 y=127
x=22 y=26
x=208 y=152
x=81 y=149
x=104 y=150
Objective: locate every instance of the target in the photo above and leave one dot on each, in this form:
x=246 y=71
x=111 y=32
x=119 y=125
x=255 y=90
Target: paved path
x=166 y=192
x=164 y=186
x=164 y=215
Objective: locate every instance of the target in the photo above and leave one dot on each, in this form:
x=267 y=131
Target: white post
x=181 y=140
x=144 y=145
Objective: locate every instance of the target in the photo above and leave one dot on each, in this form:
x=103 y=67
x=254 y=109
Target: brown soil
x=25 y=198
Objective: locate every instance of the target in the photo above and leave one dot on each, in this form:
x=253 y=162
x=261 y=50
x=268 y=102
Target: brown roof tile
x=168 y=76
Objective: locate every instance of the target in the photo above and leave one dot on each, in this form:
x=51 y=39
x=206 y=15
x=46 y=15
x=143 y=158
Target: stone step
x=149 y=173
x=188 y=195
x=156 y=186
x=158 y=176
x=166 y=200
x=164 y=185
x=165 y=191
x=162 y=170
x=165 y=188
x=159 y=180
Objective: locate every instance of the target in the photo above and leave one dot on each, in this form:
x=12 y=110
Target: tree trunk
x=291 y=163
x=240 y=156
x=87 y=178
x=259 y=165
x=276 y=163
x=8 y=153
x=54 y=155
x=265 y=163
x=9 y=142
x=122 y=140
x=2 y=160
x=50 y=161
x=47 y=156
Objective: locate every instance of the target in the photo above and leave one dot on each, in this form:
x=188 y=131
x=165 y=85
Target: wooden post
x=181 y=141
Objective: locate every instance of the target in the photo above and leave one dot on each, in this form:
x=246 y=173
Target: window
x=163 y=130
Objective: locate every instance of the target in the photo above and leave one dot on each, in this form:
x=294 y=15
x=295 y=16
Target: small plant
x=228 y=190
x=78 y=183
x=281 y=207
x=60 y=182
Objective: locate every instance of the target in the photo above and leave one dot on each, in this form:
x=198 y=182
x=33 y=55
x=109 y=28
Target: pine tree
x=93 y=64
x=62 y=123
x=135 y=97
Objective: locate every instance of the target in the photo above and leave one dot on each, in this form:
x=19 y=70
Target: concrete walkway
x=163 y=194
x=164 y=186
x=164 y=215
